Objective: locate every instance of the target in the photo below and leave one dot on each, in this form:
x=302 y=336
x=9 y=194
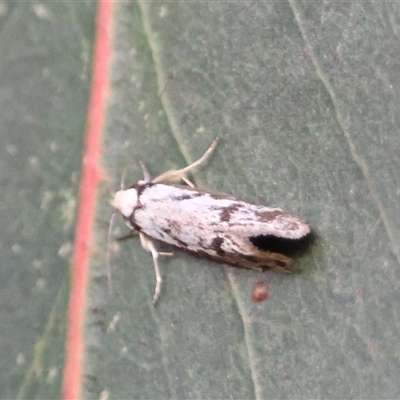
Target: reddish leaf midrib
x=91 y=175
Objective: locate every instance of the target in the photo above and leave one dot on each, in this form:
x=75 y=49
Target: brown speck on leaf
x=260 y=292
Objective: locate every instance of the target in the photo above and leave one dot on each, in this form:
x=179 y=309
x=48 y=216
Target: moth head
x=125 y=201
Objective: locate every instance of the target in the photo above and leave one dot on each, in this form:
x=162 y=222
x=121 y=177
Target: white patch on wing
x=190 y=218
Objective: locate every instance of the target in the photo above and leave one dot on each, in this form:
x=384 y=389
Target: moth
x=214 y=225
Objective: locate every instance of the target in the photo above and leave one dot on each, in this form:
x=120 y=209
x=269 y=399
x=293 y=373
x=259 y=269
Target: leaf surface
x=45 y=53
x=304 y=99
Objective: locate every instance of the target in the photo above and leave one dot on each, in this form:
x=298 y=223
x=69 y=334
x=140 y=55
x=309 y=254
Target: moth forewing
x=217 y=226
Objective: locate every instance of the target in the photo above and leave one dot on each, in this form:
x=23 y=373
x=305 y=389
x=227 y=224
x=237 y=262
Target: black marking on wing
x=287 y=247
x=216 y=245
x=141 y=187
x=187 y=196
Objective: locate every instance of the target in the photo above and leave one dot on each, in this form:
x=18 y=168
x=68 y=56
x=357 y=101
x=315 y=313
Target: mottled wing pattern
x=215 y=225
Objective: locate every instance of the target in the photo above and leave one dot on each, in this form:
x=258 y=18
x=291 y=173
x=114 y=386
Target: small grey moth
x=208 y=224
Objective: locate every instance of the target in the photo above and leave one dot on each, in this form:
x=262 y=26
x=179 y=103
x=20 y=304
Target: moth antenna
x=148 y=245
x=147 y=177
x=110 y=229
x=146 y=173
x=188 y=182
x=176 y=175
x=123 y=176
x=156 y=103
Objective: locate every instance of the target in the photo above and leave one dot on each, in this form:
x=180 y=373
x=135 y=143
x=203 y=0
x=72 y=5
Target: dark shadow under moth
x=213 y=225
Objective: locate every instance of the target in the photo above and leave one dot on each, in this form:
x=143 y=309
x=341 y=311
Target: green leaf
x=45 y=52
x=304 y=98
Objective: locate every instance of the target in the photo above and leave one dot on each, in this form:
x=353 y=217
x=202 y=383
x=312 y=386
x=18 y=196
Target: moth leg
x=130 y=235
x=177 y=175
x=148 y=245
x=188 y=182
